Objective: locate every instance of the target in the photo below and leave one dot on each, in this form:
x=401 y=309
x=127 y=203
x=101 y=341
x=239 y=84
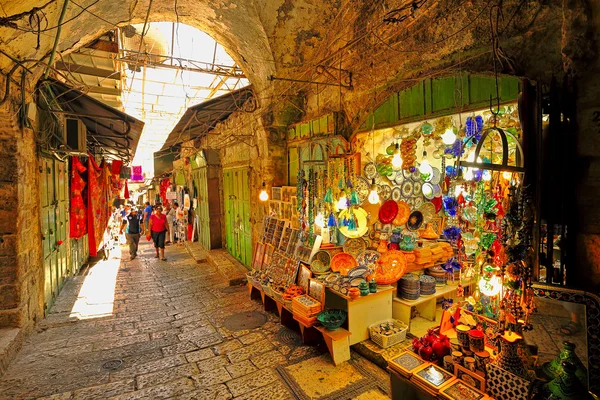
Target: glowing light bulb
x=487 y=175
x=342 y=203
x=263 y=196
x=373 y=195
x=490 y=287
x=397 y=160
x=425 y=168
x=320 y=220
x=507 y=175
x=469 y=174
x=449 y=137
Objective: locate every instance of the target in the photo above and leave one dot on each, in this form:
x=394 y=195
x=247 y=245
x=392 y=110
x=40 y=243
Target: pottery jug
x=567 y=385
x=554 y=368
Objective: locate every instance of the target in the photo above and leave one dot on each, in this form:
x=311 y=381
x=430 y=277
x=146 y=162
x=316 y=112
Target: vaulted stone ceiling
x=291 y=38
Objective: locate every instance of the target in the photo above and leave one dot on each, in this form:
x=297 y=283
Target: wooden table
x=363 y=311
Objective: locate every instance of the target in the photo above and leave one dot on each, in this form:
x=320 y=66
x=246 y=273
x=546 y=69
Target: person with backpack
x=133 y=223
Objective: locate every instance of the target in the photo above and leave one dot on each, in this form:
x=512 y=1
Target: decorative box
x=406 y=363
x=431 y=378
x=459 y=390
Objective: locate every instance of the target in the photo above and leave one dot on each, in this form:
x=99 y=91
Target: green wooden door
x=238 y=230
x=201 y=182
x=54 y=212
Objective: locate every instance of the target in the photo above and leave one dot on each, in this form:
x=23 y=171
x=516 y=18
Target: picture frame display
x=259 y=253
x=276 y=193
x=317 y=290
x=304 y=276
x=469 y=377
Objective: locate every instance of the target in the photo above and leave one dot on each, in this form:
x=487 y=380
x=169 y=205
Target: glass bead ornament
x=426 y=128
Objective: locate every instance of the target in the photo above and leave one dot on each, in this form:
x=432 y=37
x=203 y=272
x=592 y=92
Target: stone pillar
x=21 y=271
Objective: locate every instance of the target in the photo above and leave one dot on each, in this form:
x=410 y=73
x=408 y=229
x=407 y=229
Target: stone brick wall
x=21 y=271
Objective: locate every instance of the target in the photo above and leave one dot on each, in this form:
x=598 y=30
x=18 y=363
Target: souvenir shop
x=416 y=238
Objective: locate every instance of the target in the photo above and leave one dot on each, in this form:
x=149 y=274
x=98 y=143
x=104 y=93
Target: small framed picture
x=275 y=208
x=276 y=193
x=437 y=223
x=304 y=276
x=471 y=378
x=317 y=291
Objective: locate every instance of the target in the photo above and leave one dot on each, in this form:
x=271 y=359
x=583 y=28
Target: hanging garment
x=77 y=209
x=98 y=205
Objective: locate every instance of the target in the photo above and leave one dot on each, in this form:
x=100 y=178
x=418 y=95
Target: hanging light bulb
x=397 y=160
x=490 y=287
x=342 y=203
x=373 y=195
x=263 y=196
x=320 y=220
x=487 y=175
x=425 y=168
x=449 y=137
x=507 y=175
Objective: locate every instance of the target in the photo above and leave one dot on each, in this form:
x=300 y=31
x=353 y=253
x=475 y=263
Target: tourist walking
x=171 y=216
x=158 y=231
x=133 y=224
x=147 y=215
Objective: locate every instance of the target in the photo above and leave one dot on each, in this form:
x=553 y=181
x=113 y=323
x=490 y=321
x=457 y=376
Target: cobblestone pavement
x=160 y=326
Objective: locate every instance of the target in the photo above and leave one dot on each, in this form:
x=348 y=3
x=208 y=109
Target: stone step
x=11 y=340
x=227 y=265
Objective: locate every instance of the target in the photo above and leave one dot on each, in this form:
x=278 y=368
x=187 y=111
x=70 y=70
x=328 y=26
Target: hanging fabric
x=136 y=173
x=77 y=209
x=126 y=191
x=125 y=172
x=98 y=205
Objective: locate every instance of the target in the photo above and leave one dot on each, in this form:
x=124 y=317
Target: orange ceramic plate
x=342 y=263
x=403 y=214
x=390 y=267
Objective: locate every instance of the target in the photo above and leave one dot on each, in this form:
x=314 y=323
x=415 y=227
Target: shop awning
x=114 y=132
x=200 y=119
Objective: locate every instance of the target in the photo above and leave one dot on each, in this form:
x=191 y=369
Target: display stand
x=337 y=342
x=362 y=311
x=426 y=305
x=403 y=389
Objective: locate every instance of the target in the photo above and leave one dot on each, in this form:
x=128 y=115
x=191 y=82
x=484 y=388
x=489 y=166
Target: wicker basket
x=278 y=296
x=388 y=341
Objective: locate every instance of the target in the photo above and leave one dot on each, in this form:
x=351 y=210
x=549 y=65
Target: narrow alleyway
x=147 y=329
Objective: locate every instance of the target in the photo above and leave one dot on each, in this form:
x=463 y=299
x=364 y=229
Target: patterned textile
x=78 y=212
x=126 y=191
x=164 y=185
x=136 y=173
x=98 y=204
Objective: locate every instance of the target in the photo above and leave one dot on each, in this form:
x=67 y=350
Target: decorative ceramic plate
x=384 y=192
x=418 y=201
x=415 y=220
x=323 y=256
x=428 y=211
x=318 y=267
x=436 y=176
x=370 y=170
x=332 y=278
x=388 y=211
x=399 y=178
x=437 y=191
x=416 y=175
x=417 y=188
x=358 y=272
x=354 y=246
x=356 y=281
x=407 y=189
x=361 y=222
x=342 y=263
x=372 y=211
x=390 y=267
x=397 y=194
x=411 y=203
x=363 y=188
x=403 y=213
x=427 y=190
x=368 y=258
x=406 y=174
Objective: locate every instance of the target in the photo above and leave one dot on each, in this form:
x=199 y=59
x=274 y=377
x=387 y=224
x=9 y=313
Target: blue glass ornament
x=331 y=221
x=412 y=169
x=450 y=206
x=452 y=233
x=426 y=128
x=450 y=171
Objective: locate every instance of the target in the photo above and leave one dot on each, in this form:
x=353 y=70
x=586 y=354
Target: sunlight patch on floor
x=97 y=295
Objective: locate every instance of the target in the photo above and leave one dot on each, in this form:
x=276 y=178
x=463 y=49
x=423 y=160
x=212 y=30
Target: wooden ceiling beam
x=86 y=70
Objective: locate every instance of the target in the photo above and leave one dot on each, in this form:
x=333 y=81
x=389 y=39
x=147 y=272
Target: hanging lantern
x=504 y=167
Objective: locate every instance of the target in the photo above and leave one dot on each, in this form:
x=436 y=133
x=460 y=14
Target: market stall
x=425 y=229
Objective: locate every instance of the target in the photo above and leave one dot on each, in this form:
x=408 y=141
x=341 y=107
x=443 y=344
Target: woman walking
x=158 y=231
